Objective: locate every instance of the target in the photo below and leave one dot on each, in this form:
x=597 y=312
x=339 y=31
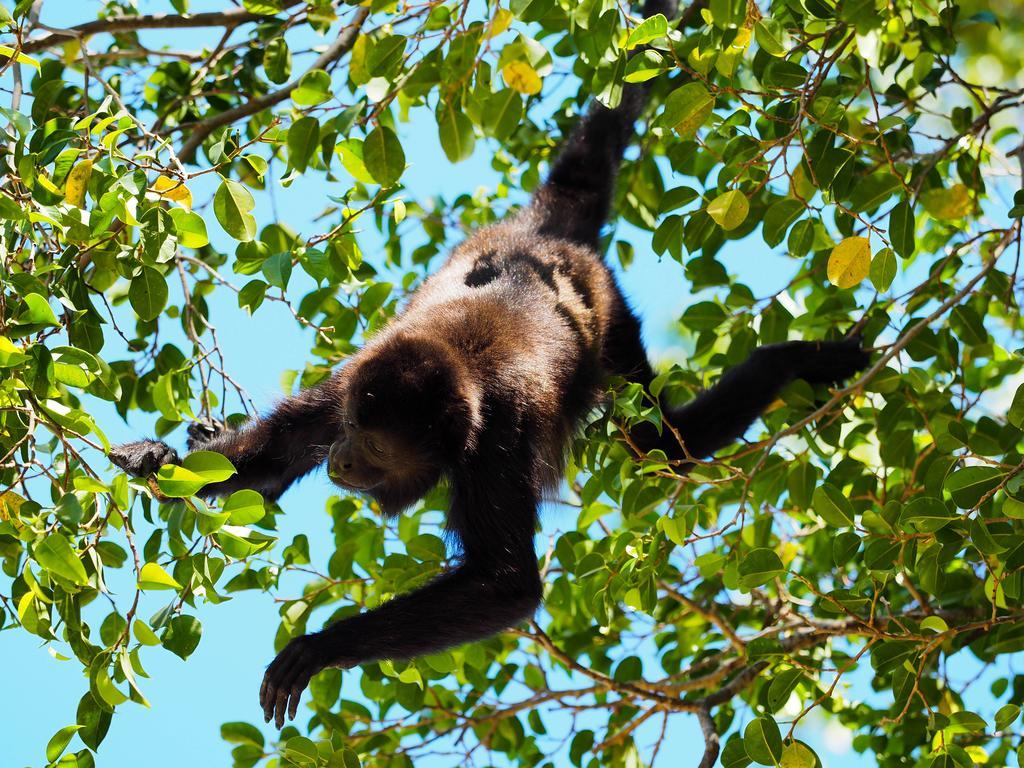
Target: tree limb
x=230 y=18
x=197 y=132
x=711 y=740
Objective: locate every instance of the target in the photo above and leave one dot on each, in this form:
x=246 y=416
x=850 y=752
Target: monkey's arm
x=269 y=454
x=721 y=414
x=496 y=586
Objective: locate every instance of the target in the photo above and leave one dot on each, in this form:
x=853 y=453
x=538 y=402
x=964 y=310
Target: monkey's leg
x=720 y=415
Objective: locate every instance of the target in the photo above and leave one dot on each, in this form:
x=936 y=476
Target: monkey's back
x=529 y=314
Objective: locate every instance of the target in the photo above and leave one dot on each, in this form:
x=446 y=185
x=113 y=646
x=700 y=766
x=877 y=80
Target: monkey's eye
x=374 y=447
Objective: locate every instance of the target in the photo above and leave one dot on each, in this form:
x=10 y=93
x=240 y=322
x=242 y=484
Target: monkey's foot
x=832 y=362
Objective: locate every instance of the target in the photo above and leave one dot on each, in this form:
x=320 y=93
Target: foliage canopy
x=873 y=534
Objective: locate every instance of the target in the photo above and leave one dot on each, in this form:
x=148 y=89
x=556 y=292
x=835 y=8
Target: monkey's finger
x=293 y=706
x=267 y=701
x=281 y=705
x=263 y=696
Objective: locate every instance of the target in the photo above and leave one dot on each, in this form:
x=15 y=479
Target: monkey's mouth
x=348 y=485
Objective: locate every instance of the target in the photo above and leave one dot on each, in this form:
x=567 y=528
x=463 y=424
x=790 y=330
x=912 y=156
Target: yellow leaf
x=152 y=576
x=849 y=262
x=520 y=76
x=501 y=21
x=21 y=58
x=797 y=755
x=10 y=503
x=72 y=50
x=952 y=203
x=77 y=181
x=167 y=188
x=729 y=209
x=800 y=186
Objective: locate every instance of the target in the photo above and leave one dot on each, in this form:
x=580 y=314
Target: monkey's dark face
x=383 y=464
x=408 y=413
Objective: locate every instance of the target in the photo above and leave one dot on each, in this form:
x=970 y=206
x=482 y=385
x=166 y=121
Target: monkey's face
x=384 y=464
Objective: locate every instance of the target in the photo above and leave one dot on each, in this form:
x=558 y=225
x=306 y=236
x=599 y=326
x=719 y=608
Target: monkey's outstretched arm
x=496 y=586
x=269 y=454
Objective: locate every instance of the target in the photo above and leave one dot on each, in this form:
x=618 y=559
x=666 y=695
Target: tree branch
x=231 y=18
x=711 y=740
x=197 y=132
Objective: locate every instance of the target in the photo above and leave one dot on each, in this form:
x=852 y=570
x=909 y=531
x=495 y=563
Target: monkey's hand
x=289 y=674
x=831 y=362
x=202 y=432
x=144 y=457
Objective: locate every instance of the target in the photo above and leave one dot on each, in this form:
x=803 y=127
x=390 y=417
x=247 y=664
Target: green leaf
x=777 y=219
x=456 y=134
x=832 y=506
x=303 y=141
x=37 y=311
x=771 y=36
x=148 y=293
x=686 y=109
x=232 y=205
x=383 y=156
x=190 y=227
x=967 y=486
x=10 y=355
x=782 y=73
x=759 y=567
x=502 y=113
x=153 y=576
x=645 y=65
x=182 y=635
x=277 y=60
x=59 y=741
x=934 y=624
x=649 y=29
x=871 y=192
x=782 y=686
x=144 y=634
x=242 y=733
x=314 y=88
x=729 y=209
x=245 y=507
x=883 y=269
x=763 y=741
x=198 y=469
x=901 y=230
x=55 y=554
x=965 y=722
x=927 y=514
x=239 y=542
x=1006 y=716
x=1015 y=415
x=704 y=316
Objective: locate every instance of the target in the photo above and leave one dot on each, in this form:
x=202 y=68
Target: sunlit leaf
x=849 y=262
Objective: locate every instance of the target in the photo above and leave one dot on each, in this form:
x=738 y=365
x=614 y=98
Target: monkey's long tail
x=575 y=200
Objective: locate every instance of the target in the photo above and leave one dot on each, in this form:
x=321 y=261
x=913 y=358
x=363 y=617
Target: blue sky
x=220 y=681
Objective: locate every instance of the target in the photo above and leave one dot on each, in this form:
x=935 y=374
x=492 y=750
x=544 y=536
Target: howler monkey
x=481 y=380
